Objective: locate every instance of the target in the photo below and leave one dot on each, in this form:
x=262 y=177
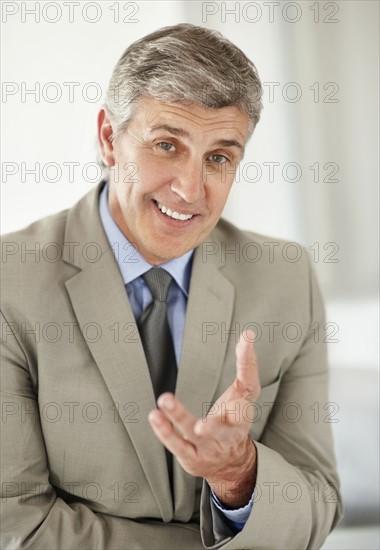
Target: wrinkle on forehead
x=207 y=120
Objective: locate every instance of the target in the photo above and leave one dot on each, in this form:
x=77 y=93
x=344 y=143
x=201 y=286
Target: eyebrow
x=230 y=143
x=180 y=132
x=171 y=129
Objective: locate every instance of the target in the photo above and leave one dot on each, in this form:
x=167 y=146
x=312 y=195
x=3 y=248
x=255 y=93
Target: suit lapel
x=99 y=299
x=210 y=304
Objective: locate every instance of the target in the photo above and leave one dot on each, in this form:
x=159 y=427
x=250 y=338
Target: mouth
x=173 y=214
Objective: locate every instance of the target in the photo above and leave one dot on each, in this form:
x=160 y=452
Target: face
x=173 y=167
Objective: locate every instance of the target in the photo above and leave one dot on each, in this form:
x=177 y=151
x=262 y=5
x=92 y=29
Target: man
x=143 y=406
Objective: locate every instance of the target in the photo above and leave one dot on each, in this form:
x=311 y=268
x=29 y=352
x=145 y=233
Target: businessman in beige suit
x=94 y=455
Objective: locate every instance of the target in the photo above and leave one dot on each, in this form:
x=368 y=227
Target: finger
x=178 y=415
x=226 y=421
x=168 y=436
x=247 y=380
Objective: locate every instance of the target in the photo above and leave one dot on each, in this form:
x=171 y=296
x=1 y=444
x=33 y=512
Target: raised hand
x=218 y=447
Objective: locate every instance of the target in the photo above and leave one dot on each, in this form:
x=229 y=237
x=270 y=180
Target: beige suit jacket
x=81 y=467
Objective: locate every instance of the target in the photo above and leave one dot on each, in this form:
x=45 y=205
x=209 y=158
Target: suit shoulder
x=246 y=252
x=228 y=232
x=31 y=258
x=47 y=229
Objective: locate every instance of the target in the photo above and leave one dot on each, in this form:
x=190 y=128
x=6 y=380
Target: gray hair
x=183 y=63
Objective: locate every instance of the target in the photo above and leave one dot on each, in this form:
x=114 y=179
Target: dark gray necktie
x=155 y=333
x=157 y=341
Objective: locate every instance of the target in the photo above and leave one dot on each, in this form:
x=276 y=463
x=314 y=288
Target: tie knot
x=158 y=281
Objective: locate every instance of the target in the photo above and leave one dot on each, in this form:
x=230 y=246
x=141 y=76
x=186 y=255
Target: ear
x=104 y=138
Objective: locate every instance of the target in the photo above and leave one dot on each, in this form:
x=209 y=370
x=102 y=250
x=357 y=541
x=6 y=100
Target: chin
x=172 y=254
x=166 y=256
x=160 y=249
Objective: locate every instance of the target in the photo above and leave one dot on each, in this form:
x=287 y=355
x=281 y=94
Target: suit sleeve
x=33 y=515
x=297 y=500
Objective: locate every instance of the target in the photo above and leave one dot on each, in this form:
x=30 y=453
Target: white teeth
x=174 y=215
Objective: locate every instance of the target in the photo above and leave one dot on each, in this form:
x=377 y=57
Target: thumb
x=247 y=369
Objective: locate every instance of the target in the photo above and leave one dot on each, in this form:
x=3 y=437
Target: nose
x=189 y=181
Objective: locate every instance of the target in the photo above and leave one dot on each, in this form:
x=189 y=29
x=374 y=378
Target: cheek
x=217 y=197
x=150 y=178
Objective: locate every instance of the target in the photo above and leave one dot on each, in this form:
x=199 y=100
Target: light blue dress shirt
x=132 y=266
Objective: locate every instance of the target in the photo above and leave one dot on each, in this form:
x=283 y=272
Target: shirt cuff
x=239 y=516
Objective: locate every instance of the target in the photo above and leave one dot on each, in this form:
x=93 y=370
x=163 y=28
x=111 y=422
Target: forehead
x=153 y=114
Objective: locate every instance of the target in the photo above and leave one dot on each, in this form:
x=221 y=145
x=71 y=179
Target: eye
x=166 y=146
x=219 y=159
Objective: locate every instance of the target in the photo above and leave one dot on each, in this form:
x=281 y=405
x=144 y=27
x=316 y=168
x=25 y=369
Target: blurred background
x=310 y=173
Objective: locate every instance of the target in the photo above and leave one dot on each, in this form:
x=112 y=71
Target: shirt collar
x=130 y=261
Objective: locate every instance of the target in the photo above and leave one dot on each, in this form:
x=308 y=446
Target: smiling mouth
x=172 y=213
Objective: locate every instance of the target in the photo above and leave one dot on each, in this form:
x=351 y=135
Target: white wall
x=38 y=131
